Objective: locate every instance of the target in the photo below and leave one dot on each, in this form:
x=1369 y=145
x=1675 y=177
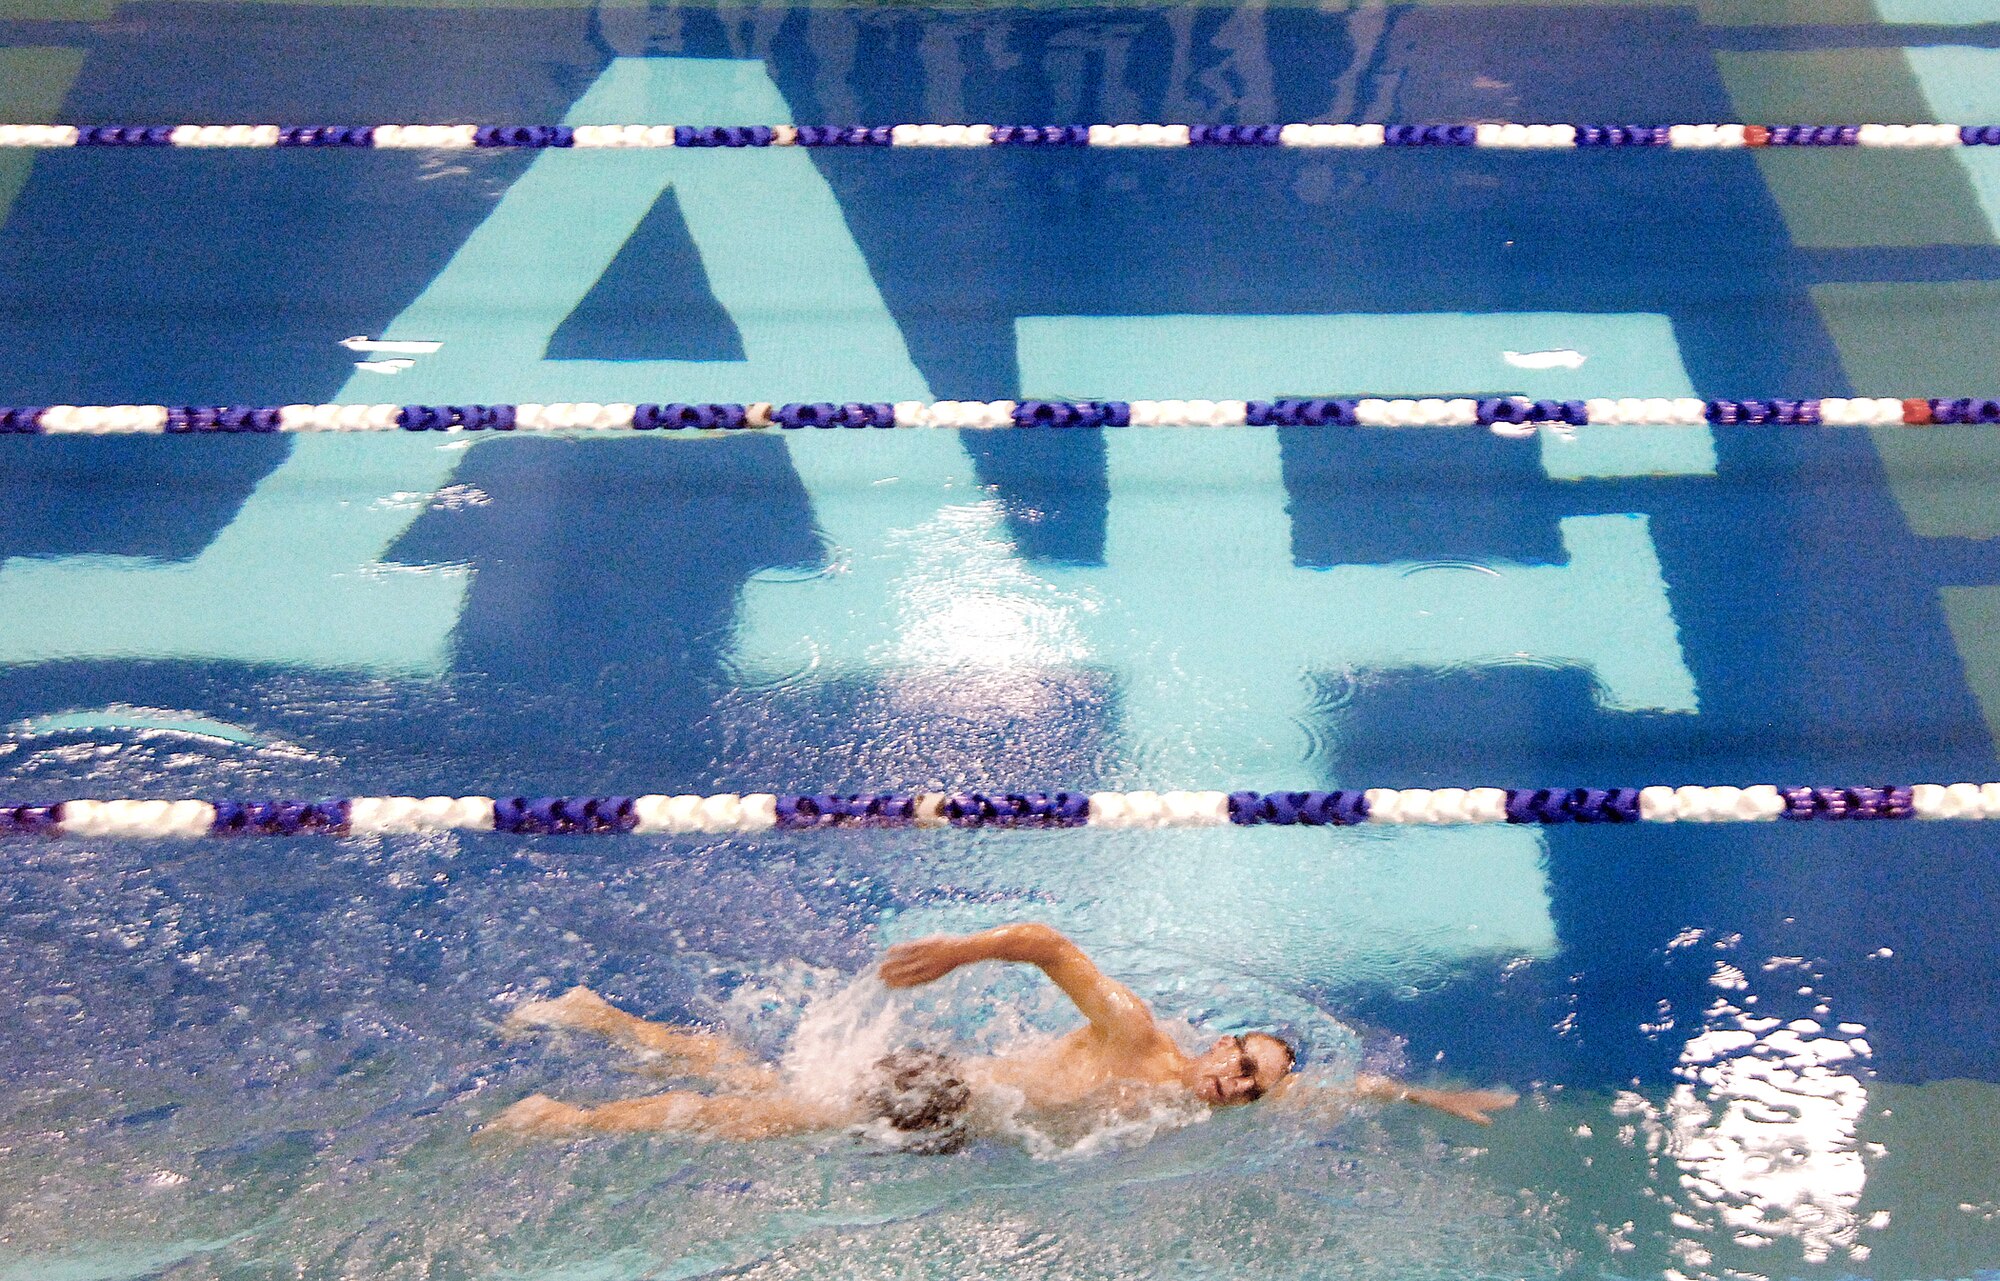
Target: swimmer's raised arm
x=1112 y=1008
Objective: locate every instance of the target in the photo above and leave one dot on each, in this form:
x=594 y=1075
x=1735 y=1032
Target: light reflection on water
x=1759 y=1146
x=969 y=603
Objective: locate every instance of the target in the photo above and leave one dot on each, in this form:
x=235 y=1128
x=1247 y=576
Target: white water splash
x=843 y=1034
x=839 y=1040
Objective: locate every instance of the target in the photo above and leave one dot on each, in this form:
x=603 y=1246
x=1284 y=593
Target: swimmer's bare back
x=1121 y=1046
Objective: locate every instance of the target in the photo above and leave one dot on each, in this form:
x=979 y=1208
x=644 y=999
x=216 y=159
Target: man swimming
x=1122 y=1051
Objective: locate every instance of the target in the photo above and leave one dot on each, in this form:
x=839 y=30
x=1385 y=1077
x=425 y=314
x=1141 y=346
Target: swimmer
x=1121 y=1051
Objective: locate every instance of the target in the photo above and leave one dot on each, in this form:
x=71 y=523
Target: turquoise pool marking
x=1171 y=565
x=140 y=718
x=1943 y=13
x=1195 y=701
x=762 y=234
x=772 y=239
x=1391 y=355
x=314 y=530
x=1192 y=696
x=1963 y=83
x=906 y=513
x=319 y=524
x=906 y=516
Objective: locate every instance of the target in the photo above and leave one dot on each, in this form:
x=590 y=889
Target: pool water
x=1750 y=1051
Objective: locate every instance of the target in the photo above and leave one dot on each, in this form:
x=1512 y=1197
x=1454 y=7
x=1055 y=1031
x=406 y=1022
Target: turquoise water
x=1743 y=1051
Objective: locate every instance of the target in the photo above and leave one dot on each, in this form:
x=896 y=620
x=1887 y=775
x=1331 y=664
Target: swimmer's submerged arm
x=1466 y=1105
x=1111 y=1007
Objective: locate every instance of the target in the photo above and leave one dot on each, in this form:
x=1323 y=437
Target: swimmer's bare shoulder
x=1121 y=1037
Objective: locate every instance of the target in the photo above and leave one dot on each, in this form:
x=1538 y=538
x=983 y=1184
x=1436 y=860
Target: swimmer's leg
x=702 y=1053
x=1466 y=1105
x=767 y=1114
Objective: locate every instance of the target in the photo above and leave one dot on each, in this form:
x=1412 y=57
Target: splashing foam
x=843 y=1034
x=839 y=1039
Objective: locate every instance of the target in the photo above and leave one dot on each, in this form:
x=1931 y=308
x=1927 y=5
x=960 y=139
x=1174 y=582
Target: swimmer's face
x=1240 y=1069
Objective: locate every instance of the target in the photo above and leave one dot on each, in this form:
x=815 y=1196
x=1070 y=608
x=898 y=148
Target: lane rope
x=1507 y=415
x=1531 y=137
x=766 y=811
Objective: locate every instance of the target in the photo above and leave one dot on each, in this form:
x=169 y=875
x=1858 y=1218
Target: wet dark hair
x=1291 y=1055
x=920 y=1094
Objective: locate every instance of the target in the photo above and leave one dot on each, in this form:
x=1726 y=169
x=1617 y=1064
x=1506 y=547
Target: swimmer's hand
x=913 y=964
x=579 y=1009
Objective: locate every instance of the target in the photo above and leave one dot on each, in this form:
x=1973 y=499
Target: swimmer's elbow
x=538 y=1114
x=1032 y=943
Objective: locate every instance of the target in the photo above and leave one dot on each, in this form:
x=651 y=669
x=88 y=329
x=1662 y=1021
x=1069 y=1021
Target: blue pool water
x=1744 y=1050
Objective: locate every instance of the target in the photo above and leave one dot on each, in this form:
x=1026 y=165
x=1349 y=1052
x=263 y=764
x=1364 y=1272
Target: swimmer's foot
x=578 y=1009
x=538 y=1114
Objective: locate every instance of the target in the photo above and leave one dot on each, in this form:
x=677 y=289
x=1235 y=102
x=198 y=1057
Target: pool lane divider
x=1505 y=414
x=1535 y=137
x=766 y=811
